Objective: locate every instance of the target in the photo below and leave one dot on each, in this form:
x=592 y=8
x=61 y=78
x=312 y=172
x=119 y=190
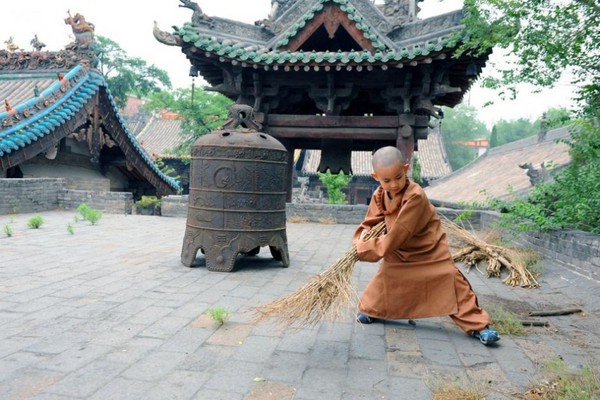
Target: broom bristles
x=327 y=295
x=476 y=250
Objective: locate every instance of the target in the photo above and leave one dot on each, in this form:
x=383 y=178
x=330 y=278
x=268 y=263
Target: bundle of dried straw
x=476 y=250
x=327 y=295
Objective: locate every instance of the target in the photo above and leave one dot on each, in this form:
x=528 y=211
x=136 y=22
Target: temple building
x=59 y=120
x=338 y=76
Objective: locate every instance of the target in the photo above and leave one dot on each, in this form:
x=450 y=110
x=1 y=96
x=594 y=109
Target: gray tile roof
x=498 y=173
x=160 y=136
x=432 y=157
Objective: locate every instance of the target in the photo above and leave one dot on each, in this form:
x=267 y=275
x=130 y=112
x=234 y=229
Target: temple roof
x=160 y=135
x=498 y=173
x=432 y=157
x=41 y=105
x=345 y=36
x=380 y=41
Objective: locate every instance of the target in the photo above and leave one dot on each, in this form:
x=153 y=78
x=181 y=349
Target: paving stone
x=230 y=334
x=237 y=376
x=285 y=366
x=178 y=385
x=371 y=347
x=84 y=381
x=29 y=382
x=271 y=390
x=154 y=366
x=319 y=383
x=122 y=389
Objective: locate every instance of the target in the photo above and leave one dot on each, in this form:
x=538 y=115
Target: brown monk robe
x=417 y=277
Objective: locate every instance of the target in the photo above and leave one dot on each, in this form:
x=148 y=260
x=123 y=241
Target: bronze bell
x=238 y=190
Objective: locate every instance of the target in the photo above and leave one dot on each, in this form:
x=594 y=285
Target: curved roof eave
x=30 y=128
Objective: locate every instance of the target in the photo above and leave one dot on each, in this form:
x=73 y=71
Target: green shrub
x=148 y=201
x=83 y=209
x=8 y=230
x=506 y=322
x=334 y=185
x=35 y=222
x=88 y=213
x=93 y=216
x=70 y=229
x=219 y=314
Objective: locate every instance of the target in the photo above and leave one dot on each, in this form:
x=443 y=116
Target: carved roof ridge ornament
x=401 y=12
x=333 y=14
x=165 y=37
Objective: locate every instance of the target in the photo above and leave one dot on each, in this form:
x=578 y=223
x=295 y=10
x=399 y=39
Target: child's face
x=392 y=178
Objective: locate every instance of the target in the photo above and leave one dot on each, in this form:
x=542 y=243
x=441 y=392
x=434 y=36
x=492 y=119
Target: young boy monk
x=417 y=277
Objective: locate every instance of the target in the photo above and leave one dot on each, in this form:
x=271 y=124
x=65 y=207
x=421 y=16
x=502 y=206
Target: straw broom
x=325 y=296
x=477 y=250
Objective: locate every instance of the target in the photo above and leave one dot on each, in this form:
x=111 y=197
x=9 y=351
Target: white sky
x=130 y=22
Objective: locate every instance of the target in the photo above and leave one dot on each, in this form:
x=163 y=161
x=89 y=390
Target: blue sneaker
x=365 y=319
x=487 y=336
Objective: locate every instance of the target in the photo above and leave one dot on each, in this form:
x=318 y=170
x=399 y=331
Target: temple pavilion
x=334 y=75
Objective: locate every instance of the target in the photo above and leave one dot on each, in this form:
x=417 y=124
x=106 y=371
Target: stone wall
x=326 y=213
x=579 y=251
x=31 y=195
x=108 y=202
x=174 y=206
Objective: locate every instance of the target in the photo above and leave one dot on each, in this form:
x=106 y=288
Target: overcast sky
x=130 y=22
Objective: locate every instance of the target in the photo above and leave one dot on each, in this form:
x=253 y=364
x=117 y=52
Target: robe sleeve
x=412 y=217
x=372 y=218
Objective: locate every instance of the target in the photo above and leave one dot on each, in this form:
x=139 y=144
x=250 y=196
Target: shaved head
x=387 y=156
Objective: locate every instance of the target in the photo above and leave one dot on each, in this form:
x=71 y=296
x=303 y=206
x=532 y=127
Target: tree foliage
x=125 y=75
x=335 y=184
x=510 y=131
x=416 y=175
x=545 y=38
x=460 y=124
x=200 y=111
x=557 y=117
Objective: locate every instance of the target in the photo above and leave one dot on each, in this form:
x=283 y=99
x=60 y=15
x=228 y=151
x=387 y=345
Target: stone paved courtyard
x=110 y=313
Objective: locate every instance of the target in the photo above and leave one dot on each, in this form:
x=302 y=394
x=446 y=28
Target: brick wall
x=30 y=195
x=174 y=206
x=108 y=202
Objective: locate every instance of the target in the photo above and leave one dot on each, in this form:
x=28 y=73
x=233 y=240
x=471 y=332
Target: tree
x=545 y=38
x=557 y=117
x=126 y=75
x=416 y=174
x=510 y=131
x=201 y=112
x=335 y=184
x=460 y=124
x=494 y=137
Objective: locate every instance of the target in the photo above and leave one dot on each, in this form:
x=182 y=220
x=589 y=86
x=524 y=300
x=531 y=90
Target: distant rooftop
x=498 y=173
